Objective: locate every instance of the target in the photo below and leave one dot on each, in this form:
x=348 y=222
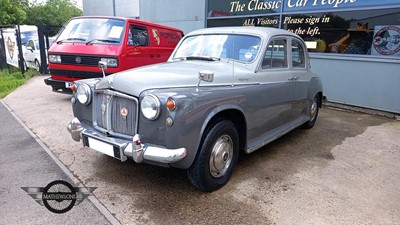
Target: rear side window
x=275 y=55
x=298 y=57
x=138 y=36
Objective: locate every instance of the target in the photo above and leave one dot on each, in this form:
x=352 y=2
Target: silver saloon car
x=222 y=91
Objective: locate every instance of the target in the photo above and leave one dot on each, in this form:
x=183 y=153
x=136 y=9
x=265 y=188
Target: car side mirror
x=206 y=76
x=103 y=66
x=29 y=48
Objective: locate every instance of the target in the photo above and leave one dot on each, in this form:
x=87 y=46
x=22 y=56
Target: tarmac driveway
x=345 y=170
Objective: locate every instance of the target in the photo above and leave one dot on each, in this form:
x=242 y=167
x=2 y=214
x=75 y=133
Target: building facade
x=354 y=44
x=124 y=8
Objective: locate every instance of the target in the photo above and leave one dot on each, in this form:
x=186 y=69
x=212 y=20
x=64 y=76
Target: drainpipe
x=114 y=14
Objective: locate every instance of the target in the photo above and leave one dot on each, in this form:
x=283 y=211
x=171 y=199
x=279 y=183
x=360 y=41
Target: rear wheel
x=216 y=158
x=314 y=109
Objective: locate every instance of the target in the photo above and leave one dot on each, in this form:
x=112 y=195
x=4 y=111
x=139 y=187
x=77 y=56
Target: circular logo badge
x=78 y=60
x=124 y=112
x=387 y=40
x=59 y=196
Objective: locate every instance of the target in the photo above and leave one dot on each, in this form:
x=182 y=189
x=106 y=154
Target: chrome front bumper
x=122 y=149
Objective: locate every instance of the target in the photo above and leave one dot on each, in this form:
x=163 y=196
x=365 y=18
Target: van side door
x=137 y=49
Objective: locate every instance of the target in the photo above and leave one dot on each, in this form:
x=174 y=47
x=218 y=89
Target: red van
x=122 y=43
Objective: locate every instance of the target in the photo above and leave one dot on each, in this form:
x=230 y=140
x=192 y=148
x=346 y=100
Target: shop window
x=275 y=55
x=366 y=32
x=138 y=36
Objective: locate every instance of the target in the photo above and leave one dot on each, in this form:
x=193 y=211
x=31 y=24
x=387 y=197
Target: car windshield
x=93 y=30
x=217 y=46
x=26 y=35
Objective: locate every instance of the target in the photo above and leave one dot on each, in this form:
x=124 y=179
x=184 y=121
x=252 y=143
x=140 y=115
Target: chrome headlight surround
x=55 y=58
x=111 y=62
x=150 y=107
x=84 y=94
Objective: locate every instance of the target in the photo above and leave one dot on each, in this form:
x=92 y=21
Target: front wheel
x=217 y=157
x=314 y=108
x=37 y=65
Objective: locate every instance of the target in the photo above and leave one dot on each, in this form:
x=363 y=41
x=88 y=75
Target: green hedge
x=9 y=80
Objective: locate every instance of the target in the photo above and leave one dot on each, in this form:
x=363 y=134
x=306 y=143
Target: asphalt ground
x=343 y=171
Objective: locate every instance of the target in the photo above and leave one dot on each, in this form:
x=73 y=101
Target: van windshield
x=93 y=31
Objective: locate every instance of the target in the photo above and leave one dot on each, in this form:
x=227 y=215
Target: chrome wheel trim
x=313 y=109
x=221 y=156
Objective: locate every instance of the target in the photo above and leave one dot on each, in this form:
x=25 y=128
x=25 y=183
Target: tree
x=53 y=14
x=11 y=12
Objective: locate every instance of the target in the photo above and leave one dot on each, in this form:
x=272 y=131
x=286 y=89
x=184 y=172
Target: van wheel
x=217 y=157
x=314 y=108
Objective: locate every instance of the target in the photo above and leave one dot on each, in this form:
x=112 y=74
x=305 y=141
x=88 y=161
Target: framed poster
x=11 y=48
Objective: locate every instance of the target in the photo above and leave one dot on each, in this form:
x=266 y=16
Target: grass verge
x=9 y=80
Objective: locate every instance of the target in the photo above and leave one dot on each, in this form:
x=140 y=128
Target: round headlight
x=84 y=94
x=150 y=107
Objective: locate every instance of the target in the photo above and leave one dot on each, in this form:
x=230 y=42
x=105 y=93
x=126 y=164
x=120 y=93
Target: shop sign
x=218 y=8
x=314 y=5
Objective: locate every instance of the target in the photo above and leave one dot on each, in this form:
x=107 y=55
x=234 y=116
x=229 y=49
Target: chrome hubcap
x=221 y=156
x=314 y=108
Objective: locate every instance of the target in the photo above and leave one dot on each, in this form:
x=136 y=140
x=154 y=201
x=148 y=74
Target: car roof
x=261 y=31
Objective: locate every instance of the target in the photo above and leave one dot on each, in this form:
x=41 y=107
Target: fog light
x=169 y=122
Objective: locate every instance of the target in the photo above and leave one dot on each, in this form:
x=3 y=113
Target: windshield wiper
x=205 y=58
x=102 y=40
x=71 y=39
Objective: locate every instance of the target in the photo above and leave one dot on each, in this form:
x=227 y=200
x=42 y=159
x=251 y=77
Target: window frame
x=304 y=51
x=131 y=35
x=285 y=53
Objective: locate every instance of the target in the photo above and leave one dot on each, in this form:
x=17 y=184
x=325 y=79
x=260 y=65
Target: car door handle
x=293 y=78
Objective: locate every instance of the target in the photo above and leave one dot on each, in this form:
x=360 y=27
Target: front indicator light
x=73 y=87
x=171 y=104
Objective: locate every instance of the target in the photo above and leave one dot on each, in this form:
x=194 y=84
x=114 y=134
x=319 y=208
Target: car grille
x=115 y=113
x=81 y=60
